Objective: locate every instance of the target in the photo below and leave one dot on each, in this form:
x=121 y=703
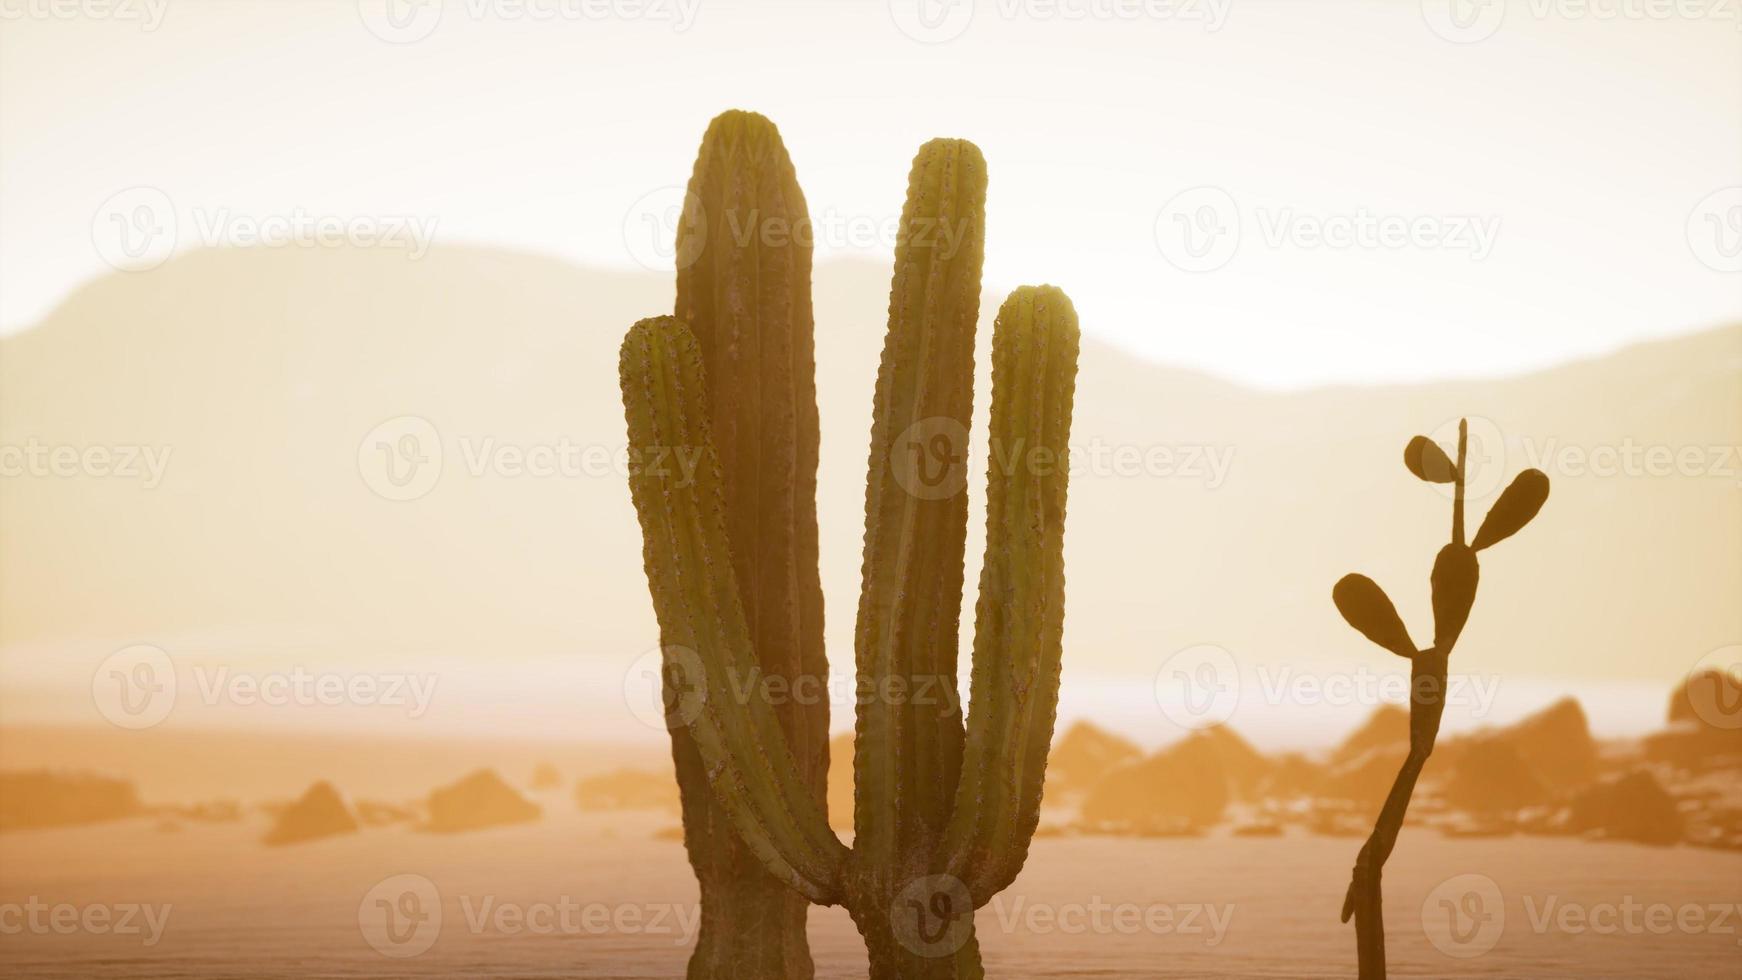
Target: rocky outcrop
x=1387 y=728
x=1182 y=788
x=1082 y=757
x=478 y=801
x=628 y=789
x=319 y=812
x=45 y=798
x=1634 y=807
x=1491 y=776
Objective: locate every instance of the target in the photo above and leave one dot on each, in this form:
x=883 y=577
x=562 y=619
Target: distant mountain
x=1208 y=512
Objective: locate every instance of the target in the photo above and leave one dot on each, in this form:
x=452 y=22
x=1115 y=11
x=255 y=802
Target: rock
x=1555 y=744
x=1366 y=780
x=1081 y=758
x=1490 y=777
x=1179 y=789
x=478 y=801
x=1634 y=807
x=44 y=798
x=1386 y=728
x=373 y=813
x=1294 y=777
x=319 y=812
x=1244 y=766
x=628 y=789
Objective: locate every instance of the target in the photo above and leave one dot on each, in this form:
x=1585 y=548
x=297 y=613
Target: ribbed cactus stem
x=1019 y=620
x=744 y=289
x=909 y=727
x=701 y=619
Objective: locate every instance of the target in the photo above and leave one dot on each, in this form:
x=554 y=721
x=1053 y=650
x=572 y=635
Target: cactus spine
x=1366 y=607
x=942 y=816
x=747 y=299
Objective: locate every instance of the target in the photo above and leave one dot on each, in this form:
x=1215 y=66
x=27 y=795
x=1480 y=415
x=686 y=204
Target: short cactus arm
x=909 y=740
x=1019 y=620
x=676 y=485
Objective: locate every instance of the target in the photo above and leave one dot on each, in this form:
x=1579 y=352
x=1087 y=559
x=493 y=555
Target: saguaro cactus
x=942 y=817
x=744 y=289
x=1367 y=608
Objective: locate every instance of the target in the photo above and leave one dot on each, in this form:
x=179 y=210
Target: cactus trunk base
x=752 y=928
x=907 y=948
x=752 y=924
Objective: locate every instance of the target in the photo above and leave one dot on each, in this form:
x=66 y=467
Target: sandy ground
x=591 y=895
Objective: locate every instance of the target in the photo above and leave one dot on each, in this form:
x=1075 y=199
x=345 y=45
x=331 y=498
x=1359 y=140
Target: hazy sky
x=1283 y=192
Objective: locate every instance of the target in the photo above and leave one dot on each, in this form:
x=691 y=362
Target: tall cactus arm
x=676 y=486
x=744 y=289
x=909 y=742
x=1019 y=620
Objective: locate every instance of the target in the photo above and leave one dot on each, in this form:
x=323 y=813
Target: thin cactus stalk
x=744 y=290
x=1366 y=607
x=943 y=814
